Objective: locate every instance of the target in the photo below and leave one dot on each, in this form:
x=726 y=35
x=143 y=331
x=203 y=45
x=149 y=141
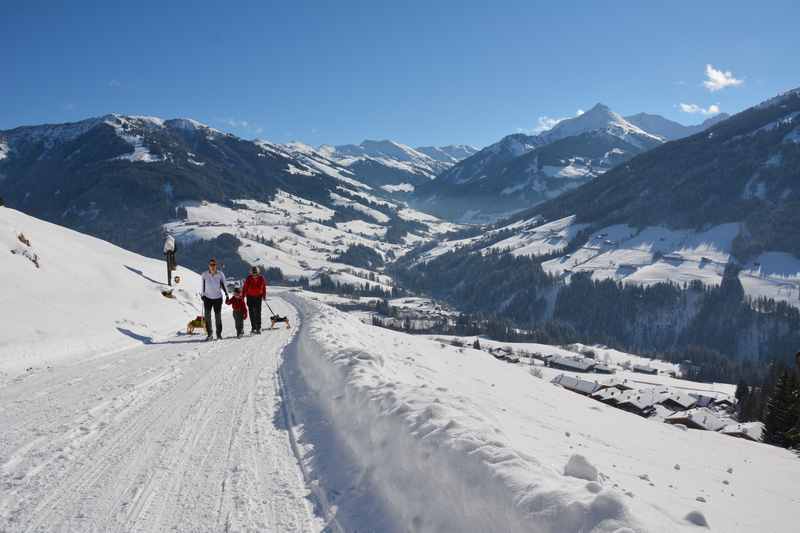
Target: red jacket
x=238 y=304
x=255 y=286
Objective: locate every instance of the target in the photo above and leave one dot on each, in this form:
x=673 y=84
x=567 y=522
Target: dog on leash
x=197 y=323
x=275 y=319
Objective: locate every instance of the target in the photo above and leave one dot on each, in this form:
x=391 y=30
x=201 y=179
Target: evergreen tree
x=477 y=344
x=781 y=415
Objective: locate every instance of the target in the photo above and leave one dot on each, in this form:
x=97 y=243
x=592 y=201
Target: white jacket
x=213 y=284
x=169 y=244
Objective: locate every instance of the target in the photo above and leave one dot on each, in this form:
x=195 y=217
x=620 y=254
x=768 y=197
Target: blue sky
x=418 y=72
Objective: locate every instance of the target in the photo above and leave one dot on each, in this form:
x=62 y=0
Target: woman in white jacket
x=213 y=288
x=169 y=251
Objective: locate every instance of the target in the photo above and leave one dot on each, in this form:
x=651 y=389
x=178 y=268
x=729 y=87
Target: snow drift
x=456 y=441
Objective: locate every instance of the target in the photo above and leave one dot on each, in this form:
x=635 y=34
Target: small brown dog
x=197 y=323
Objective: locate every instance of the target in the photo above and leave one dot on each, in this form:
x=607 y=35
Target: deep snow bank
x=457 y=441
x=67 y=295
x=437 y=460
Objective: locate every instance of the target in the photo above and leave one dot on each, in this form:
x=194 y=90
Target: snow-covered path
x=173 y=435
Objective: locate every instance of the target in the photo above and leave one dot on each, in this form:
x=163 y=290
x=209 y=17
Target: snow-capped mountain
x=669 y=129
x=601 y=118
x=389 y=163
x=452 y=153
x=127 y=179
x=522 y=170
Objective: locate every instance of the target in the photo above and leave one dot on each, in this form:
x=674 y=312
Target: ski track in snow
x=175 y=435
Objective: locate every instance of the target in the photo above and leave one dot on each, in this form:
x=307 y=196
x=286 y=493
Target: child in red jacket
x=239 y=310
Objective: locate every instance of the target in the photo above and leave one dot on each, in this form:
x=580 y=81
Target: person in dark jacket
x=255 y=290
x=239 y=310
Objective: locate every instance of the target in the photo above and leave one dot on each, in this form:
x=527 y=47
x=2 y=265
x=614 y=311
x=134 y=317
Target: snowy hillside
x=643 y=256
x=305 y=238
x=67 y=293
x=499 y=449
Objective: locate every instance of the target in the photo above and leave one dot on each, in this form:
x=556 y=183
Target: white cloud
x=547 y=123
x=114 y=84
x=242 y=125
x=713 y=109
x=233 y=123
x=718 y=79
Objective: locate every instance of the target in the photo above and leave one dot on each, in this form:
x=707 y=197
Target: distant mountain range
x=380 y=163
x=125 y=178
x=669 y=130
x=522 y=170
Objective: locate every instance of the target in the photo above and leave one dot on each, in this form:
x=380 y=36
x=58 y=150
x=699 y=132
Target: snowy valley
x=331 y=425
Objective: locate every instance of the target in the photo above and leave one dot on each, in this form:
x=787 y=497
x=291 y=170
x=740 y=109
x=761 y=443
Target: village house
x=697 y=418
x=572 y=364
x=575 y=384
x=602 y=368
x=678 y=401
x=609 y=395
x=642 y=402
x=641 y=369
x=748 y=430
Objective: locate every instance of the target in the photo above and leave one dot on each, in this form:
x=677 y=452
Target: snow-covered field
x=622 y=362
x=458 y=441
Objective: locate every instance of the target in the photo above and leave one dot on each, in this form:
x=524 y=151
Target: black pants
x=254 y=308
x=238 y=318
x=216 y=304
x=170 y=266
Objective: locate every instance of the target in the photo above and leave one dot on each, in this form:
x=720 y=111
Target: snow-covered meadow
x=457 y=440
x=642 y=255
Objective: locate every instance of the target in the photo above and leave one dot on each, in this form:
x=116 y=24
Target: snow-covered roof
x=577 y=363
x=576 y=384
x=699 y=417
x=747 y=430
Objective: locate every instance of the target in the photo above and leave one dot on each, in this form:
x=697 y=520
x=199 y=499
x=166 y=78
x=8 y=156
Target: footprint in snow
x=697 y=518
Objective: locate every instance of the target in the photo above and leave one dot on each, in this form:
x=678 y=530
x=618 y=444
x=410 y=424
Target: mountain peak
x=599 y=117
x=598 y=108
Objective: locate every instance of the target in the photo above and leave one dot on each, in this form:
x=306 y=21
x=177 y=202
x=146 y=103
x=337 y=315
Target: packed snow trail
x=177 y=434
